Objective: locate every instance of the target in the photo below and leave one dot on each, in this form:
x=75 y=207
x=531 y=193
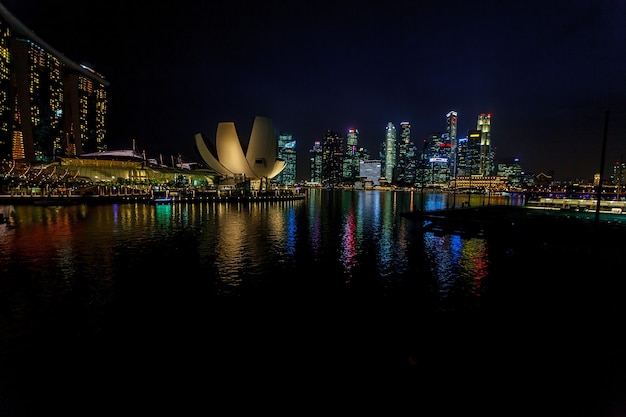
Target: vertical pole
x=454 y=171
x=601 y=179
x=620 y=177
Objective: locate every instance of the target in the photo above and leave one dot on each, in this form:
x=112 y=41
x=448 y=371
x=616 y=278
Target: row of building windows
x=50 y=107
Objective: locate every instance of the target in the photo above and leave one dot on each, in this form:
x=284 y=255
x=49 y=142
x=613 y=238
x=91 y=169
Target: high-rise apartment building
x=50 y=106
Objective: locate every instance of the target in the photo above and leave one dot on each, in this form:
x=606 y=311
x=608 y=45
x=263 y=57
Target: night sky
x=547 y=71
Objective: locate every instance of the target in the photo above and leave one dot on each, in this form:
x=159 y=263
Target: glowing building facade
x=50 y=106
x=315 y=163
x=286 y=152
x=406 y=161
x=351 y=159
x=259 y=162
x=486 y=160
x=332 y=159
x=388 y=149
x=451 y=130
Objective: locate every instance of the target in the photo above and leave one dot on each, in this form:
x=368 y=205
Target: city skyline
x=548 y=73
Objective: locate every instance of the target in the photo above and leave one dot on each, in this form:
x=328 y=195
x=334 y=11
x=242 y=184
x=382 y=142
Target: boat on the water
x=161 y=197
x=162 y=200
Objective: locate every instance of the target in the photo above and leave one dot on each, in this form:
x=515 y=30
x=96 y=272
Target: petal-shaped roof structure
x=229 y=159
x=209 y=156
x=262 y=152
x=279 y=165
x=229 y=150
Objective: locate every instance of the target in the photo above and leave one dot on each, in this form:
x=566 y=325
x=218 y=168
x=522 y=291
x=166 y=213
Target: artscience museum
x=257 y=163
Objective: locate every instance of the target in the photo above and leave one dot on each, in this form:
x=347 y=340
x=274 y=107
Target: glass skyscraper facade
x=315 y=162
x=406 y=161
x=388 y=151
x=451 y=130
x=287 y=152
x=332 y=159
x=351 y=160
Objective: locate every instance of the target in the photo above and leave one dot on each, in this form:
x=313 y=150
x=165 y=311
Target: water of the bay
x=200 y=306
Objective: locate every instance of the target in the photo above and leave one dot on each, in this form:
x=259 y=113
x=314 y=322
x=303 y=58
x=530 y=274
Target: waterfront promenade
x=147 y=199
x=116 y=195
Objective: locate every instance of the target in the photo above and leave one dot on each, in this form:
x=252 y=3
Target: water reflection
x=344 y=238
x=86 y=290
x=459 y=265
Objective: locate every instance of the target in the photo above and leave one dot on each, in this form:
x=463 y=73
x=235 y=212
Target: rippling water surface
x=338 y=286
x=343 y=236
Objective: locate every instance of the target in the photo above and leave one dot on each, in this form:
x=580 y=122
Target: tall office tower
x=486 y=157
x=287 y=152
x=351 y=159
x=462 y=154
x=451 y=130
x=474 y=157
x=438 y=157
x=423 y=166
x=315 y=162
x=332 y=159
x=406 y=159
x=617 y=176
x=388 y=150
x=51 y=106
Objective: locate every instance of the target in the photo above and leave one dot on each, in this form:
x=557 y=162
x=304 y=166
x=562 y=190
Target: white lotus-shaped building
x=228 y=157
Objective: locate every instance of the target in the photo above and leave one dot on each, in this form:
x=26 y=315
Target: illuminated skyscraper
x=287 y=152
x=451 y=130
x=617 y=174
x=315 y=162
x=438 y=159
x=462 y=157
x=474 y=156
x=351 y=159
x=486 y=159
x=51 y=106
x=332 y=159
x=388 y=151
x=406 y=162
